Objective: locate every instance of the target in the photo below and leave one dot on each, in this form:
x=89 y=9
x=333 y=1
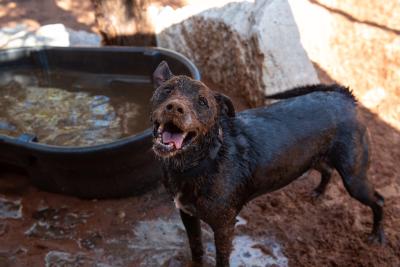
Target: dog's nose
x=175 y=108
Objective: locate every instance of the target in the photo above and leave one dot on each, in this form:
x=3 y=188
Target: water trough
x=122 y=167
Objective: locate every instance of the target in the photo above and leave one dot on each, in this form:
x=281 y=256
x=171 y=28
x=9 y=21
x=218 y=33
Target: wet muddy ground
x=39 y=228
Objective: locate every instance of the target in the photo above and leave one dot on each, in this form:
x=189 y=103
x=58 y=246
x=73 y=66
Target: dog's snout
x=175 y=108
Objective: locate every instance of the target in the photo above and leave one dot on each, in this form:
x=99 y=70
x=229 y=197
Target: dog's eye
x=203 y=101
x=167 y=89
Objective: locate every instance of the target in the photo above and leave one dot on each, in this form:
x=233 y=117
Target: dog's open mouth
x=169 y=137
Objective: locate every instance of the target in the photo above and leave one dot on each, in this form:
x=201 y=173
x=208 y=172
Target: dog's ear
x=161 y=74
x=225 y=105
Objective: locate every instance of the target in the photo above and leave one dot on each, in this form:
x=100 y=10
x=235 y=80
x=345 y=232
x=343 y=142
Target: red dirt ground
x=330 y=231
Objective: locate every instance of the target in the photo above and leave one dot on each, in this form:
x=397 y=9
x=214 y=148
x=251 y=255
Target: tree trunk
x=124 y=22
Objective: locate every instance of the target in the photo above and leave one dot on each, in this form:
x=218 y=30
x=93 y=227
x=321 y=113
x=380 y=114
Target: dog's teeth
x=160 y=128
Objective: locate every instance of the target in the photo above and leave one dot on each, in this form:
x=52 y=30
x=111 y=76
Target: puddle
x=149 y=243
x=56 y=223
x=73 y=109
x=91 y=241
x=9 y=257
x=65 y=259
x=158 y=242
x=10 y=209
x=3 y=228
x=256 y=253
x=58 y=258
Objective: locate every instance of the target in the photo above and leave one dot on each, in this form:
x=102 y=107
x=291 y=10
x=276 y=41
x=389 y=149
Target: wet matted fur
x=216 y=160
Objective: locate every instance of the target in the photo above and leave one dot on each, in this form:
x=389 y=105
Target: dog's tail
x=303 y=90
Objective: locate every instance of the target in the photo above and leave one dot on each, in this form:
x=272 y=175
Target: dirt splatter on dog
x=215 y=160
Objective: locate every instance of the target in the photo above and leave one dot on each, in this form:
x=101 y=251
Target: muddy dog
x=215 y=160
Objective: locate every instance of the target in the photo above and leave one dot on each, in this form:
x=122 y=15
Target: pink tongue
x=175 y=138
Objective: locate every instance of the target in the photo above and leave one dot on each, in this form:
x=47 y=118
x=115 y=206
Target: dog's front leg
x=223 y=242
x=193 y=230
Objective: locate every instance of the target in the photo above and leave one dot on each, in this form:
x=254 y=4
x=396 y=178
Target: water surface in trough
x=68 y=108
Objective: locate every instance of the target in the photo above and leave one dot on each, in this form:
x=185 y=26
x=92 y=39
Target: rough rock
x=251 y=48
x=357 y=45
x=52 y=35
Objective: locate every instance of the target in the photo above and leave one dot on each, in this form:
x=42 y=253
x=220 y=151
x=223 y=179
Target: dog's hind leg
x=352 y=164
x=360 y=189
x=326 y=174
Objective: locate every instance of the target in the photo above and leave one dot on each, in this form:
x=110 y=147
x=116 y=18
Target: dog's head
x=184 y=111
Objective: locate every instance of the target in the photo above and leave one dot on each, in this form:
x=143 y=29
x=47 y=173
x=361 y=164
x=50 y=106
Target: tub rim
x=140 y=136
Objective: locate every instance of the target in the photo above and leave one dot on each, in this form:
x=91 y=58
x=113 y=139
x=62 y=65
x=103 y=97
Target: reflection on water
x=10 y=209
x=73 y=109
x=60 y=258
